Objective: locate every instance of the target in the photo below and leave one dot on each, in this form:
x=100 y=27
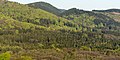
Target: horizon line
x=67 y=8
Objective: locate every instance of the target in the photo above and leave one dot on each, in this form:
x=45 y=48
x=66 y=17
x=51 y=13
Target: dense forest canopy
x=36 y=32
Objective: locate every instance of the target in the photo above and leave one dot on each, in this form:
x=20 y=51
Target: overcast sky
x=81 y=4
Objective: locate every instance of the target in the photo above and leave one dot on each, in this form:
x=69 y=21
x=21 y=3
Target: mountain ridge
x=46 y=6
x=108 y=10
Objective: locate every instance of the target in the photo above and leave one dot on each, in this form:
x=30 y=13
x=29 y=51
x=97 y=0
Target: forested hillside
x=47 y=7
x=113 y=13
x=90 y=20
x=27 y=33
x=36 y=16
x=109 y=10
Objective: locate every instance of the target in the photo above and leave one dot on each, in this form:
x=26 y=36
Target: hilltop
x=47 y=7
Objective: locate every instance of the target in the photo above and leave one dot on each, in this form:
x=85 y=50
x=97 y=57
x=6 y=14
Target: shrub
x=85 y=48
x=26 y=58
x=5 y=56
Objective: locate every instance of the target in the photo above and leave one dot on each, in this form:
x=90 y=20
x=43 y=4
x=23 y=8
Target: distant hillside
x=70 y=20
x=109 y=10
x=24 y=13
x=73 y=14
x=47 y=7
x=113 y=13
x=72 y=11
x=90 y=19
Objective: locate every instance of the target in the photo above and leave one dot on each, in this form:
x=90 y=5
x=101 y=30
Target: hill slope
x=109 y=10
x=27 y=14
x=47 y=7
x=113 y=13
x=27 y=33
x=91 y=19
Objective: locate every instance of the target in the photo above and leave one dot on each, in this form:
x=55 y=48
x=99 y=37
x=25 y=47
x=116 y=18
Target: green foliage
x=85 y=48
x=11 y=48
x=89 y=20
x=28 y=31
x=40 y=45
x=47 y=7
x=16 y=31
x=84 y=35
x=26 y=58
x=5 y=56
x=34 y=16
